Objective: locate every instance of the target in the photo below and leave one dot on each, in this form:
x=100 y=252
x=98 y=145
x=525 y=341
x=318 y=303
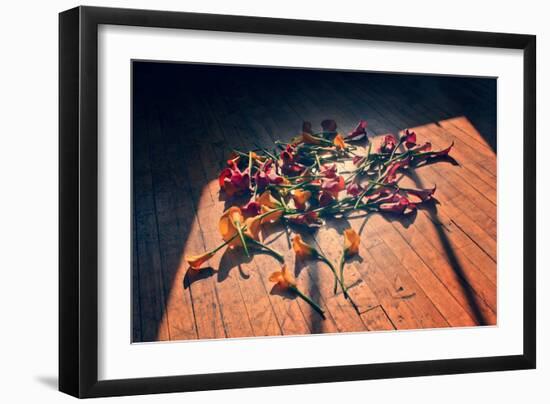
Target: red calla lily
x=359 y=132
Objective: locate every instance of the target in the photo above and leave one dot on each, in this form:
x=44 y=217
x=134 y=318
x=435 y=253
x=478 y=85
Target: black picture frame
x=78 y=201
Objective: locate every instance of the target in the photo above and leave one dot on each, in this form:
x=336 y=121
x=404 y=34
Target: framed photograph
x=251 y=201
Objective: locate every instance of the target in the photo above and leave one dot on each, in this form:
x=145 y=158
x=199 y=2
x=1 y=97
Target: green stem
x=276 y=254
x=342 y=262
x=241 y=236
x=317 y=308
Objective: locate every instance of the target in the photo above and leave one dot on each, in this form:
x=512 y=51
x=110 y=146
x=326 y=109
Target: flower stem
x=241 y=236
x=276 y=254
x=342 y=262
x=317 y=308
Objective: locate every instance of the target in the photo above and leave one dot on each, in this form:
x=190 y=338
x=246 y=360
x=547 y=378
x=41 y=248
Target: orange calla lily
x=284 y=278
x=272 y=217
x=196 y=261
x=253 y=227
x=301 y=248
x=339 y=142
x=230 y=222
x=267 y=200
x=300 y=198
x=351 y=242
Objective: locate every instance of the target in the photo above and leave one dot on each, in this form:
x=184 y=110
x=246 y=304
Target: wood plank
x=172 y=235
x=451 y=307
x=376 y=319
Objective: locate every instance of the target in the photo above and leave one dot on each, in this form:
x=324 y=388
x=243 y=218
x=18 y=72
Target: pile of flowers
x=303 y=181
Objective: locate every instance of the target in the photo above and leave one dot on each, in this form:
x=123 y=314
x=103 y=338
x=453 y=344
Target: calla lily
x=333 y=185
x=325 y=198
x=302 y=249
x=230 y=225
x=392 y=169
x=253 y=227
x=300 y=198
x=266 y=175
x=351 y=248
x=351 y=242
x=409 y=138
x=310 y=219
x=402 y=205
x=359 y=132
x=266 y=200
x=388 y=144
x=422 y=194
x=234 y=181
x=354 y=189
x=286 y=280
x=329 y=170
x=288 y=164
x=329 y=125
x=339 y=142
x=196 y=261
x=252 y=208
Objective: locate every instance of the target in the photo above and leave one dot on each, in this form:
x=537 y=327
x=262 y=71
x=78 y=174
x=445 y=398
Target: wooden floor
x=434 y=269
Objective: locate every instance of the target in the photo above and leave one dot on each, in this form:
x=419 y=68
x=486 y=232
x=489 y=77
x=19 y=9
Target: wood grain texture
x=434 y=269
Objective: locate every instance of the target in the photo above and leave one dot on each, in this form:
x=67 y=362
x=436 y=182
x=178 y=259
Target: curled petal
x=225 y=173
